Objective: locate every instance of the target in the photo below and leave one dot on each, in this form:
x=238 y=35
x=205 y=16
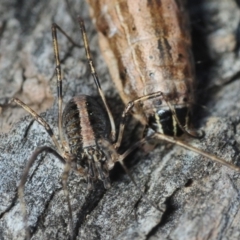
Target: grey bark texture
x=199 y=198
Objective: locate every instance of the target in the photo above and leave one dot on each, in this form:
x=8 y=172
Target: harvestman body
x=87 y=135
x=147 y=47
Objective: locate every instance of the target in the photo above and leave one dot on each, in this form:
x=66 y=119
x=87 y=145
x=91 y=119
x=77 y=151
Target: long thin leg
x=59 y=79
x=172 y=109
x=95 y=77
x=66 y=193
x=126 y=111
x=119 y=158
x=144 y=98
x=23 y=180
x=55 y=27
x=196 y=150
x=27 y=130
x=40 y=120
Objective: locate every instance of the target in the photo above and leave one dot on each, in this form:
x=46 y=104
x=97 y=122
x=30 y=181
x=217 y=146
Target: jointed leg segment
x=23 y=180
x=126 y=111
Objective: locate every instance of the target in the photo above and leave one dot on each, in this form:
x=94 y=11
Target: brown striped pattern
x=147 y=47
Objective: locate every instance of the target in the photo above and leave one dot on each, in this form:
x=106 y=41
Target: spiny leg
x=129 y=106
x=23 y=180
x=95 y=77
x=196 y=150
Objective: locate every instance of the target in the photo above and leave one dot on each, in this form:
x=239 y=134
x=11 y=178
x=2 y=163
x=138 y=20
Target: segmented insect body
x=85 y=123
x=147 y=47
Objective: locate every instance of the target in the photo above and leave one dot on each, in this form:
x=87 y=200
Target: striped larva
x=147 y=47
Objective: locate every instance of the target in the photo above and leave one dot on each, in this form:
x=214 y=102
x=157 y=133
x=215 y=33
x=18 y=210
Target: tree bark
x=199 y=199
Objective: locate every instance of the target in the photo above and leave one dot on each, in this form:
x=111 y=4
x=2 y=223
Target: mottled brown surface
x=147 y=47
x=200 y=199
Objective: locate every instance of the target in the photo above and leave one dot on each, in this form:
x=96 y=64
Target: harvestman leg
x=95 y=77
x=196 y=150
x=59 y=153
x=145 y=98
x=92 y=68
x=40 y=120
x=67 y=167
x=24 y=179
x=120 y=158
x=105 y=144
x=130 y=104
x=172 y=109
x=59 y=77
x=126 y=111
x=168 y=138
x=54 y=28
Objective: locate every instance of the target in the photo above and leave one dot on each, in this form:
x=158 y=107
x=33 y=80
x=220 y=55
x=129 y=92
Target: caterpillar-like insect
x=147 y=47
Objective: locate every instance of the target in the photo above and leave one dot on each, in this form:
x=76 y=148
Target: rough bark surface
x=199 y=199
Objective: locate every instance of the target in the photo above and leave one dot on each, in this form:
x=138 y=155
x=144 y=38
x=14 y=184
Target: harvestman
x=95 y=152
x=85 y=143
